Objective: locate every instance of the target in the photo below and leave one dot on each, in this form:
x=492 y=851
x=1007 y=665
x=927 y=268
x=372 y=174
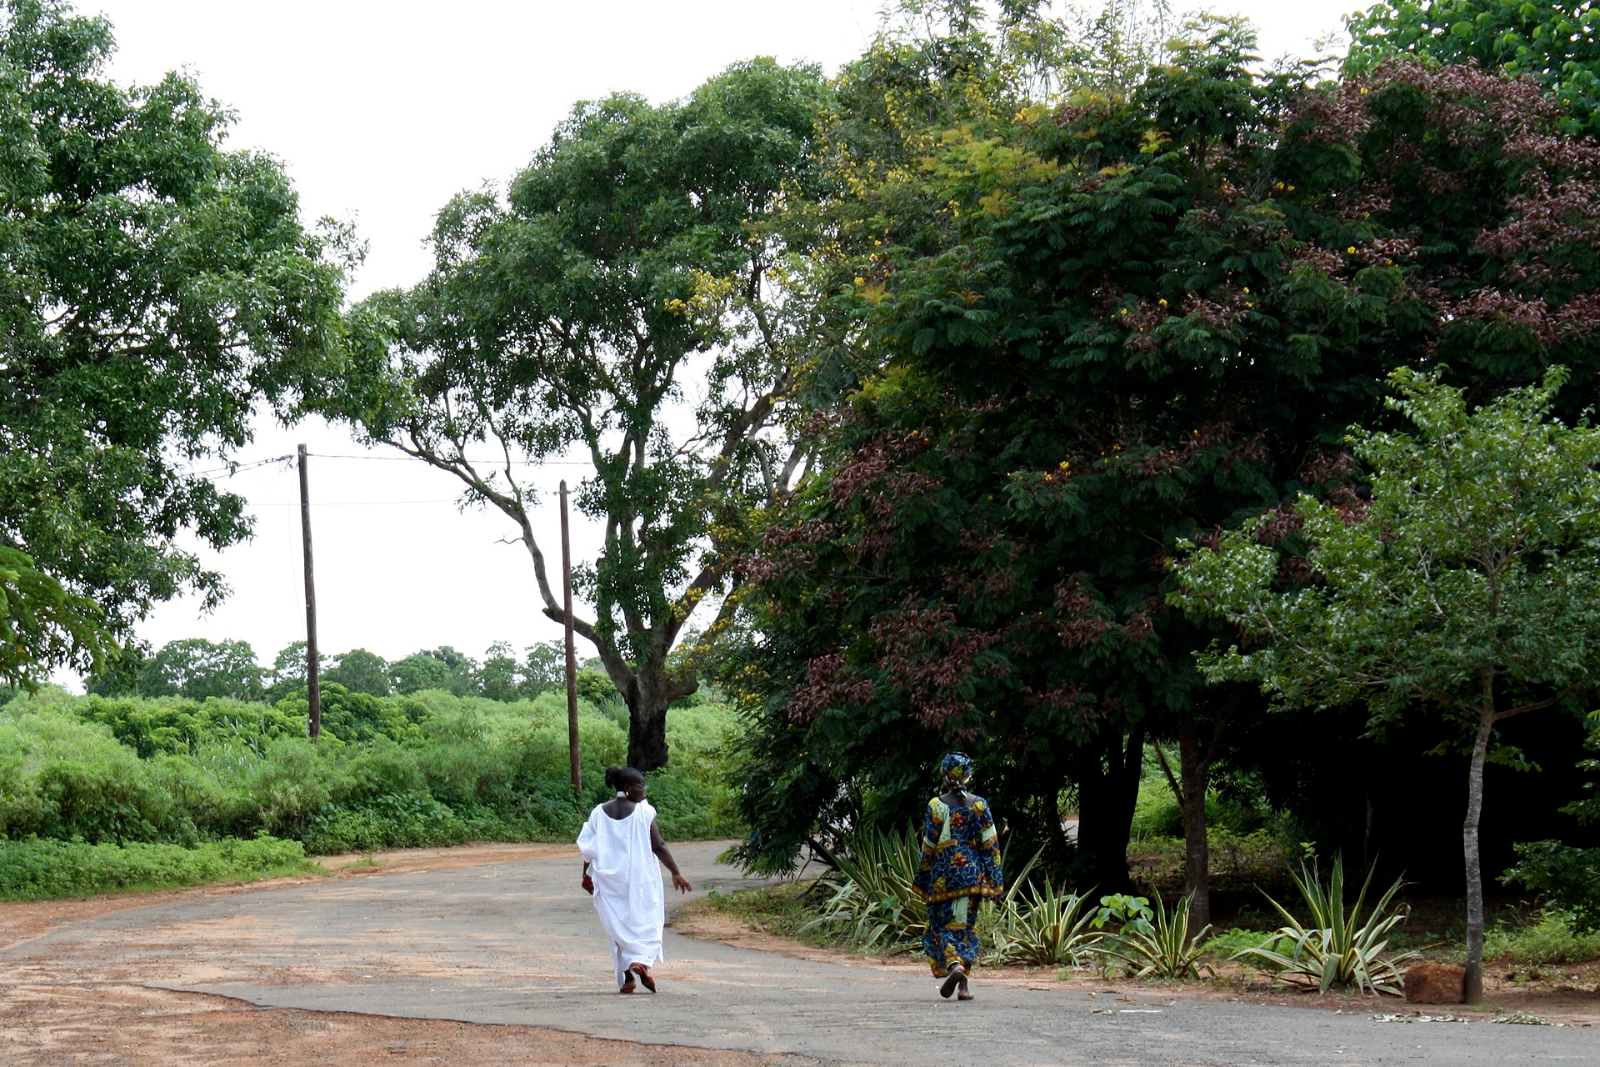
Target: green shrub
x=295 y=781
x=1227 y=944
x=869 y=899
x=40 y=868
x=428 y=769
x=1551 y=938
x=173 y=724
x=601 y=743
x=394 y=820
x=690 y=808
x=1569 y=875
x=383 y=767
x=698 y=737
x=69 y=779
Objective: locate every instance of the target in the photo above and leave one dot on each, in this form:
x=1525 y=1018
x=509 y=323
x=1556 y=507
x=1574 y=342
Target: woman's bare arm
x=659 y=846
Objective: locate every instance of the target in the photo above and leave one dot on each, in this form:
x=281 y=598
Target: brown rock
x=1436 y=983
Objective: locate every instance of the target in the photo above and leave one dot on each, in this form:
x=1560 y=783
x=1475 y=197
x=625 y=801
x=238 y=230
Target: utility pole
x=572 y=657
x=313 y=683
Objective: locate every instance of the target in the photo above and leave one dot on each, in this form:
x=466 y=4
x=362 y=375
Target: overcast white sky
x=381 y=110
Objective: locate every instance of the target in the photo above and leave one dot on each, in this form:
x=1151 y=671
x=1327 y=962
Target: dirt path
x=488 y=955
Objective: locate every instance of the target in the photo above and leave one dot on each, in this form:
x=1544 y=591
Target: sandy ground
x=67 y=1012
x=66 y=1015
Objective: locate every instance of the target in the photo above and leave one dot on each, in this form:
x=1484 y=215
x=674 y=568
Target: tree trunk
x=1469 y=838
x=1194 y=770
x=1194 y=778
x=1108 y=790
x=648 y=691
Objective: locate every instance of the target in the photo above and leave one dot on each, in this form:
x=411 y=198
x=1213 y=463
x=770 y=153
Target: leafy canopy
x=1470 y=574
x=155 y=286
x=628 y=301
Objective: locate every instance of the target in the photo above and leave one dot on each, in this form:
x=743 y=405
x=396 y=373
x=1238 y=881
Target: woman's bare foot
x=956 y=977
x=627 y=982
x=644 y=975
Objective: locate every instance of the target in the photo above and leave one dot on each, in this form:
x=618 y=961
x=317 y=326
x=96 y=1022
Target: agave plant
x=1042 y=925
x=1338 y=949
x=1155 y=942
x=869 y=896
x=870 y=899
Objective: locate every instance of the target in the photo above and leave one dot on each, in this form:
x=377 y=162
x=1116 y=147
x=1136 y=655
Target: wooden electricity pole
x=572 y=658
x=313 y=683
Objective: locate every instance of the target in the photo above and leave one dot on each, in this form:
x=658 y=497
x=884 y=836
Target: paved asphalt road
x=519 y=943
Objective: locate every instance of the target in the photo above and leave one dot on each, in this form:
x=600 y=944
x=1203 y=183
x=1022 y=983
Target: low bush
x=868 y=900
x=429 y=768
x=1551 y=937
x=1568 y=875
x=41 y=868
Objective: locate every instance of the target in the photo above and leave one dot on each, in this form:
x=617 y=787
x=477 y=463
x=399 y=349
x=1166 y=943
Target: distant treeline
x=197 y=668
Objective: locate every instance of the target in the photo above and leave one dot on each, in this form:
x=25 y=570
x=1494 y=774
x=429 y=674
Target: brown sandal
x=956 y=977
x=644 y=975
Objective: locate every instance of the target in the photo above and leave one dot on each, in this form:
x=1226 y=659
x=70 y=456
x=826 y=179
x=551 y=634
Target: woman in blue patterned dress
x=960 y=866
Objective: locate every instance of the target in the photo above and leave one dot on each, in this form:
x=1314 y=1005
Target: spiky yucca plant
x=1041 y=925
x=1338 y=948
x=1158 y=946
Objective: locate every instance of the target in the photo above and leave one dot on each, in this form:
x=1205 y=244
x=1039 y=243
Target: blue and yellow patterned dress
x=960 y=866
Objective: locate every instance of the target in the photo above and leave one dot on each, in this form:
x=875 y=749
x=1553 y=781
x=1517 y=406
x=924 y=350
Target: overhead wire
x=218 y=473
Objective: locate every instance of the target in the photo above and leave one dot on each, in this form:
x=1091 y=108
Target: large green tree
x=197 y=669
x=1092 y=327
x=154 y=288
x=1466 y=583
x=625 y=302
x=359 y=671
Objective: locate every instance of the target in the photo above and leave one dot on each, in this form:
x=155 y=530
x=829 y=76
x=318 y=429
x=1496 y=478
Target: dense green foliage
x=43 y=868
x=429 y=769
x=1089 y=327
x=155 y=287
x=1557 y=44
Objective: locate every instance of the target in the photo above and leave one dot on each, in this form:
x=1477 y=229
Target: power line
x=240 y=468
x=479 y=462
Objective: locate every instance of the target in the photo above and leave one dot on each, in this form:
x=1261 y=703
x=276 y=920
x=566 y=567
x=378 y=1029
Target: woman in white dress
x=621 y=845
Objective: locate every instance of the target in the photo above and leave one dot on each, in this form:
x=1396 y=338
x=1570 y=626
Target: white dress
x=627 y=884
